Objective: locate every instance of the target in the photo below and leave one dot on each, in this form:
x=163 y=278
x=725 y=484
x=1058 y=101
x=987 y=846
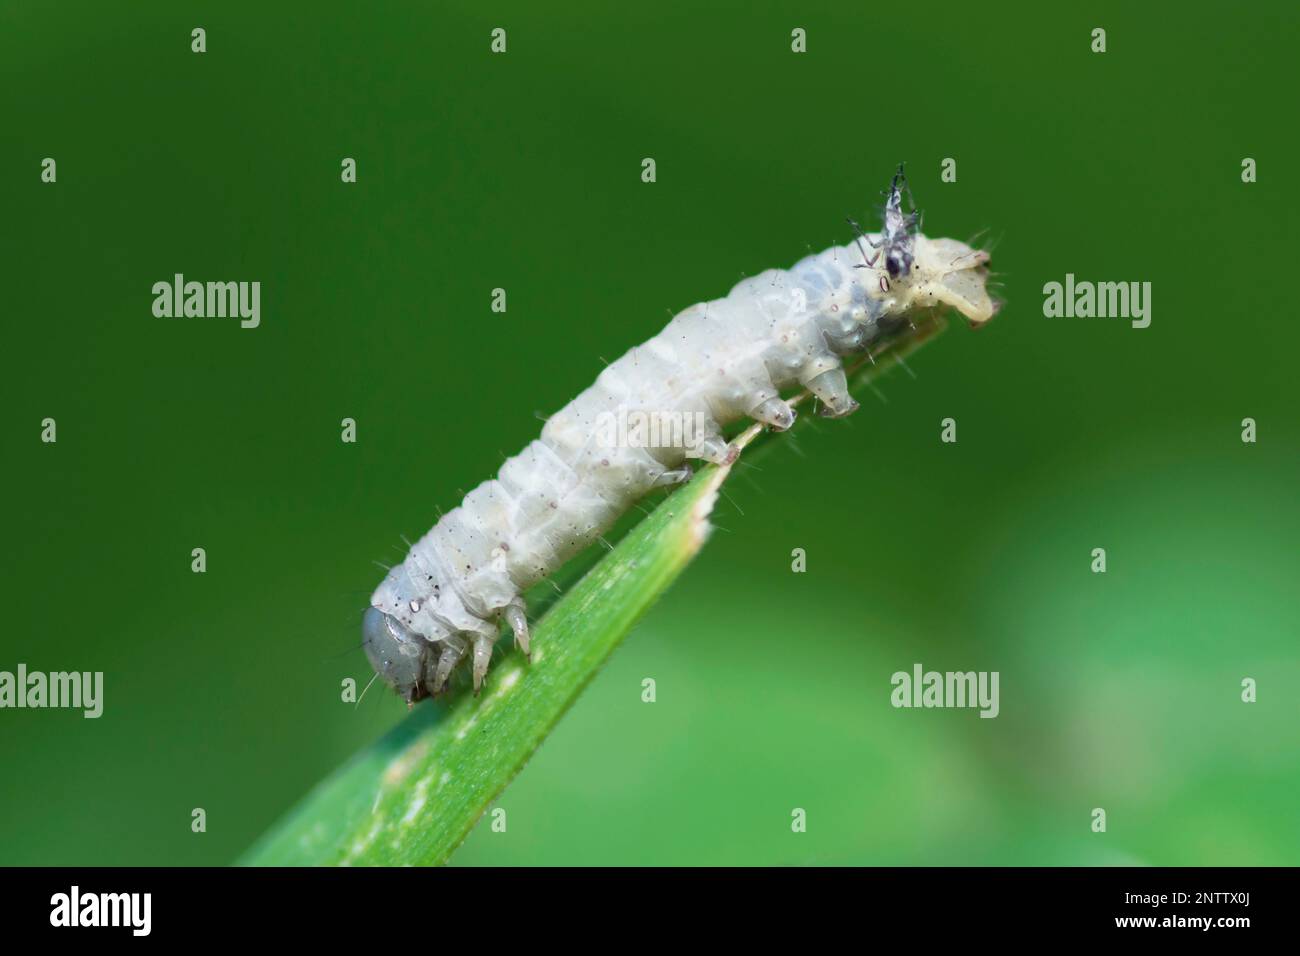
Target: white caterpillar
x=714 y=363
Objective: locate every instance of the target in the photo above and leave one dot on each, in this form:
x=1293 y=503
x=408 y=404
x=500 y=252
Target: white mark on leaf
x=417 y=802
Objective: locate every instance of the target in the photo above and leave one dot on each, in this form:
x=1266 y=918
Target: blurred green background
x=522 y=171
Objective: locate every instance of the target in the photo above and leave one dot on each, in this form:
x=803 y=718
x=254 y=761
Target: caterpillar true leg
x=517 y=618
x=676 y=476
x=453 y=649
x=482 y=657
x=831 y=388
x=713 y=448
x=775 y=413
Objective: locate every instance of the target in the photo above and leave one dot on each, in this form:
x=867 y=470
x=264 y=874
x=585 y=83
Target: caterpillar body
x=714 y=363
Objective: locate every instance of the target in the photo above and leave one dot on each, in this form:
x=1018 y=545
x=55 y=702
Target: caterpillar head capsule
x=397 y=654
x=951 y=273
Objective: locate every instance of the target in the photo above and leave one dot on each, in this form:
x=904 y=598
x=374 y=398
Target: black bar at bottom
x=408 y=907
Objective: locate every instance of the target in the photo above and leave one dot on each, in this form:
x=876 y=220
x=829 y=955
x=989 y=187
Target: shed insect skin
x=896 y=236
x=715 y=362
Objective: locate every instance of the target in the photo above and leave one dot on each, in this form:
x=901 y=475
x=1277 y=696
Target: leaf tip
x=699 y=527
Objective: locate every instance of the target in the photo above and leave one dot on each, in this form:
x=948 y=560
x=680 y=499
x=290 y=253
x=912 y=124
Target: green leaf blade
x=412 y=797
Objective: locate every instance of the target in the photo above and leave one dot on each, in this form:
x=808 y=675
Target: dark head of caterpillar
x=398 y=655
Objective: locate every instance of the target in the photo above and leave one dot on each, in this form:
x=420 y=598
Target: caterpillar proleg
x=713 y=364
